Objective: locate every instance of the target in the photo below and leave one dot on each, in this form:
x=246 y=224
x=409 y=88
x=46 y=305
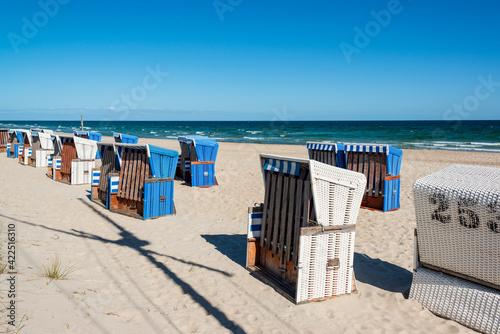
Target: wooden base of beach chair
x=65 y=177
x=179 y=173
x=127 y=207
x=373 y=203
x=267 y=268
x=3 y=149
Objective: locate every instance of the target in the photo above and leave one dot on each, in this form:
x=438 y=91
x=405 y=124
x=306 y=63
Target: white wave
x=486 y=144
x=254 y=132
x=254 y=138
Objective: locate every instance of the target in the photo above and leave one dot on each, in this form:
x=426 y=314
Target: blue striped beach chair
x=198 y=155
x=136 y=180
x=73 y=159
x=381 y=165
x=329 y=153
x=42 y=148
x=16 y=141
x=301 y=238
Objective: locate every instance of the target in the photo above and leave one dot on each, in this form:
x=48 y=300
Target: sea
x=481 y=136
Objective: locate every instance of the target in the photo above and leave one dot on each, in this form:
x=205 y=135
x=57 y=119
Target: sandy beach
x=186 y=273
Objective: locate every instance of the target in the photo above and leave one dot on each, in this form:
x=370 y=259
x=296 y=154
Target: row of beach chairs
x=133 y=179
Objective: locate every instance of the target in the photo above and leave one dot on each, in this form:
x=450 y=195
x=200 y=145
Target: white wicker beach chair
x=304 y=245
x=457 y=253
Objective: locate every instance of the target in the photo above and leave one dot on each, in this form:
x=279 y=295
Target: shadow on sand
x=127 y=239
x=381 y=274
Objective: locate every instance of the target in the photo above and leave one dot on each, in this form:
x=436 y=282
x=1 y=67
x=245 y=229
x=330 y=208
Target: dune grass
x=56 y=270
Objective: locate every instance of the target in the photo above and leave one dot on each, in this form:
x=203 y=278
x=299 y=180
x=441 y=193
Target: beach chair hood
x=206 y=148
x=85 y=148
x=162 y=161
x=45 y=139
x=126 y=139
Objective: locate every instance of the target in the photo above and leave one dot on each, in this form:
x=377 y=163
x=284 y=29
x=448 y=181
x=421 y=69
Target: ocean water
x=481 y=136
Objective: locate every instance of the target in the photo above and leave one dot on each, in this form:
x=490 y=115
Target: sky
x=249 y=60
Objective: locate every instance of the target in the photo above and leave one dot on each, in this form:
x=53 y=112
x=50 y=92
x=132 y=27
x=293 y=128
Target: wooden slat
x=383 y=173
x=296 y=228
x=142 y=165
x=133 y=174
x=306 y=199
x=125 y=169
x=366 y=165
x=283 y=219
x=272 y=200
x=377 y=179
x=122 y=172
x=130 y=164
x=371 y=175
x=354 y=161
x=277 y=211
x=142 y=176
x=289 y=221
x=266 y=206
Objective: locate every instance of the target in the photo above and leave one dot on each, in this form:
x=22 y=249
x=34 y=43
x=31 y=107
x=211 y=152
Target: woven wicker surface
x=458 y=220
x=316 y=279
x=337 y=192
x=470 y=304
x=337 y=195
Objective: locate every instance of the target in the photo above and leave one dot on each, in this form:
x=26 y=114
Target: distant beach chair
x=42 y=148
x=457 y=245
x=15 y=145
x=25 y=154
x=4 y=139
x=135 y=180
x=197 y=160
x=329 y=153
x=54 y=159
x=125 y=139
x=301 y=239
x=381 y=164
x=76 y=160
x=95 y=136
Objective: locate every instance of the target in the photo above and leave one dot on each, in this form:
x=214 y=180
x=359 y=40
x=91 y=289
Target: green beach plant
x=56 y=270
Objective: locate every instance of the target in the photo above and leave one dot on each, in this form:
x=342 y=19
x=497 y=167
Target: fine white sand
x=185 y=273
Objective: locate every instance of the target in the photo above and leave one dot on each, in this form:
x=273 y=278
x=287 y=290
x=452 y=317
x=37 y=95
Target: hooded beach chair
x=42 y=148
x=95 y=136
x=381 y=164
x=125 y=139
x=328 y=153
x=25 y=155
x=135 y=180
x=76 y=161
x=15 y=145
x=197 y=160
x=457 y=245
x=4 y=139
x=301 y=239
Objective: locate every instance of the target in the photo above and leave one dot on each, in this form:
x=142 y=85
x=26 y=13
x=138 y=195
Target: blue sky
x=249 y=60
